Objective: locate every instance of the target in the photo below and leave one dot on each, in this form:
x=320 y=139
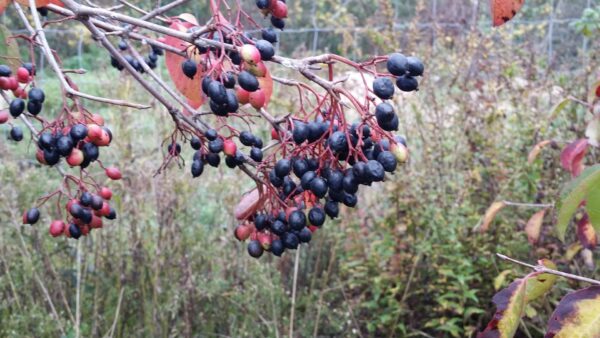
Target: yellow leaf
x=500 y=279
x=490 y=214
x=577 y=315
x=535 y=151
x=534 y=227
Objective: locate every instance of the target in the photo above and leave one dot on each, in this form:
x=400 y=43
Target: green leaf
x=572 y=196
x=540 y=283
x=577 y=315
x=592 y=207
x=9 y=49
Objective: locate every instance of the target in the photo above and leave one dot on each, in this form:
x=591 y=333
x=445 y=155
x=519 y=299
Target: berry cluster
x=151 y=59
x=85 y=212
x=276 y=8
x=77 y=138
x=328 y=160
x=246 y=69
x=18 y=84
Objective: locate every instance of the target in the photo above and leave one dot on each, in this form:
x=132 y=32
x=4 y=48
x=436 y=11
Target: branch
x=543 y=269
x=40 y=38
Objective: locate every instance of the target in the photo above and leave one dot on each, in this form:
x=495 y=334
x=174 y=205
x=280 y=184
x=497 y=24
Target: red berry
x=274 y=134
x=229 y=147
x=264 y=239
x=94 y=132
x=13 y=84
x=75 y=158
x=598 y=91
x=20 y=93
x=113 y=173
x=242 y=232
x=96 y=222
x=4 y=83
x=105 y=211
x=105 y=193
x=39 y=156
x=243 y=95
x=3 y=115
x=23 y=75
x=257 y=99
x=99 y=120
x=56 y=228
x=250 y=54
x=259 y=69
x=280 y=10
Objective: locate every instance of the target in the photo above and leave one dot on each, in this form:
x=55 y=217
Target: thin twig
x=543 y=269
x=294 y=283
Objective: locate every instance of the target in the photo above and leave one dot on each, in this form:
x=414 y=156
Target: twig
x=40 y=38
x=543 y=269
x=78 y=292
x=294 y=283
x=529 y=205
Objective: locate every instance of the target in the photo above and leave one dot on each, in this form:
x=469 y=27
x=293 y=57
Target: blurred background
x=405 y=263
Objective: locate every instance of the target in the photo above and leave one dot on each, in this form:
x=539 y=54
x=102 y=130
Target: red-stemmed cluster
x=75 y=135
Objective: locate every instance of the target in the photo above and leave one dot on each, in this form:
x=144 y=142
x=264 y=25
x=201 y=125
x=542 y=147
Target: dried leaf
x=577 y=315
x=592 y=131
x=585 y=232
x=534 y=227
x=490 y=214
x=249 y=203
x=504 y=10
x=535 y=151
x=572 y=155
x=38 y=3
x=573 y=194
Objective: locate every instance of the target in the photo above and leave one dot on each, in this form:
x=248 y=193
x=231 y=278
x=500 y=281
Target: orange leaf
x=190 y=88
x=38 y=3
x=490 y=214
x=3 y=5
x=504 y=10
x=535 y=151
x=533 y=227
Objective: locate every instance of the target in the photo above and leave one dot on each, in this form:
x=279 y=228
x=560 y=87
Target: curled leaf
x=534 y=226
x=577 y=315
x=499 y=280
x=535 y=151
x=592 y=131
x=490 y=214
x=248 y=205
x=504 y=10
x=572 y=155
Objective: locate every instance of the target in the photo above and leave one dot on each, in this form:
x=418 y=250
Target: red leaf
x=504 y=10
x=249 y=203
x=571 y=157
x=3 y=5
x=190 y=88
x=586 y=233
x=510 y=303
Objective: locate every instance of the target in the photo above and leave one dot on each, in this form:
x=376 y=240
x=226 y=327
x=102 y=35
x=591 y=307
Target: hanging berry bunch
x=75 y=136
x=331 y=142
x=317 y=159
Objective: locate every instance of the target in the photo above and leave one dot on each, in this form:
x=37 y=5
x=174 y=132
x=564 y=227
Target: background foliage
x=406 y=263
